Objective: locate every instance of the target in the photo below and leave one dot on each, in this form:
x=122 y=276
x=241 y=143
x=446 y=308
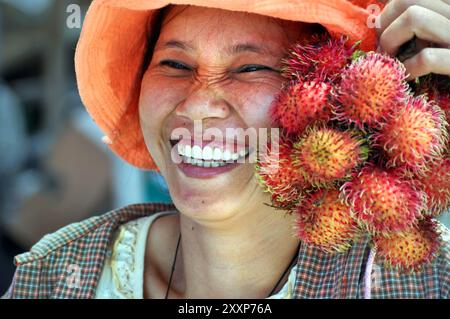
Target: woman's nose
x=205 y=102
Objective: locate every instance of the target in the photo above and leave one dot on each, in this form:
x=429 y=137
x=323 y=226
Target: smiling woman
x=146 y=71
x=224 y=82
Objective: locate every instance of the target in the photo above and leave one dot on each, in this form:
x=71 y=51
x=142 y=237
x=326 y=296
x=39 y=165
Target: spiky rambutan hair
x=382 y=201
x=436 y=87
x=326 y=222
x=327 y=155
x=321 y=58
x=301 y=104
x=408 y=251
x=277 y=174
x=435 y=182
x=414 y=136
x=371 y=88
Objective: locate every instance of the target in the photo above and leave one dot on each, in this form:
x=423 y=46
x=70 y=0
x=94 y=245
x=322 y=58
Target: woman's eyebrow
x=171 y=44
x=231 y=50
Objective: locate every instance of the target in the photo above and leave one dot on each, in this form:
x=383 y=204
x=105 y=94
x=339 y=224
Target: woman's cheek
x=255 y=103
x=154 y=107
x=159 y=97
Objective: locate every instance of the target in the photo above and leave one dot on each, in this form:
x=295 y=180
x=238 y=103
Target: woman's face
x=220 y=69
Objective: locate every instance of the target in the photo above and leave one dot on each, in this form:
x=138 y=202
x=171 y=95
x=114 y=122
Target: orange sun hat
x=110 y=55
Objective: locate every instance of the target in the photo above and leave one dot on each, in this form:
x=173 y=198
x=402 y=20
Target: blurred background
x=54 y=169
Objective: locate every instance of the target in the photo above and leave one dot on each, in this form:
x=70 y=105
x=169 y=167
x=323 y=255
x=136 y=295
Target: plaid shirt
x=78 y=251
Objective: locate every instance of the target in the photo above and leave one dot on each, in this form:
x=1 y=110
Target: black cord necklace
x=271 y=292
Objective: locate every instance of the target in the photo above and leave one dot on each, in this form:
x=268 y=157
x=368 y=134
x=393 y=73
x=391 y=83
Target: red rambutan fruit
x=443 y=100
x=436 y=184
x=327 y=155
x=437 y=89
x=414 y=135
x=320 y=58
x=276 y=173
x=301 y=104
x=286 y=204
x=326 y=222
x=410 y=250
x=371 y=88
x=382 y=201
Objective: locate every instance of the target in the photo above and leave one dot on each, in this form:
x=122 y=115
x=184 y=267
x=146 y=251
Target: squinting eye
x=252 y=68
x=174 y=64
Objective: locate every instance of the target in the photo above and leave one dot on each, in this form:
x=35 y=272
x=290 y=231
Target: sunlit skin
x=233 y=245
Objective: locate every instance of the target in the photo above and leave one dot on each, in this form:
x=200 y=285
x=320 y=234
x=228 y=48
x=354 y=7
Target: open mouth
x=209 y=156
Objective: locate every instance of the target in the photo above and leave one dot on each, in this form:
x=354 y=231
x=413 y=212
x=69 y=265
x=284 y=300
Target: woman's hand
x=428 y=21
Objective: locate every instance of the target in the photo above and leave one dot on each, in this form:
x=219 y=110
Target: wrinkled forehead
x=192 y=22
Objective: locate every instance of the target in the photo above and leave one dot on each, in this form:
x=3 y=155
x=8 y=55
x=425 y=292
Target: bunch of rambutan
x=361 y=152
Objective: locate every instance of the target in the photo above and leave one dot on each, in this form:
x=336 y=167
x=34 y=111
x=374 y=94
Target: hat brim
x=110 y=55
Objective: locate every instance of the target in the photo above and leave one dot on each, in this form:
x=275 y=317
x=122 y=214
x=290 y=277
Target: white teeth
x=202 y=163
x=217 y=156
x=207 y=153
x=188 y=151
x=197 y=152
x=226 y=155
x=180 y=149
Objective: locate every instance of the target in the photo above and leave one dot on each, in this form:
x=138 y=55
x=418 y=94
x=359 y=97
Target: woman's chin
x=209 y=193
x=200 y=202
x=203 y=209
